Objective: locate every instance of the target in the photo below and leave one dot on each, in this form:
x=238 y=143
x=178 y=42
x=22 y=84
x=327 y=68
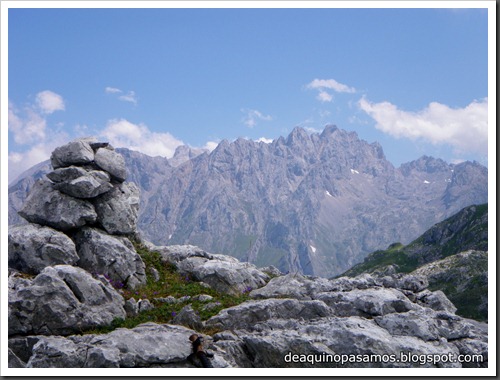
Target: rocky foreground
x=69 y=266
x=313 y=318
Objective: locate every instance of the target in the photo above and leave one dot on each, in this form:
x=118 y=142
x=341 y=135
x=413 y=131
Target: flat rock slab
x=247 y=314
x=146 y=345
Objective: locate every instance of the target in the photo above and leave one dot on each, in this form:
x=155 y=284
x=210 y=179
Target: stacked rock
x=81 y=214
x=76 y=244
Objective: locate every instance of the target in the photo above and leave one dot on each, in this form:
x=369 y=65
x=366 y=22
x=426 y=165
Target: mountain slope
x=452 y=255
x=466 y=230
x=316 y=204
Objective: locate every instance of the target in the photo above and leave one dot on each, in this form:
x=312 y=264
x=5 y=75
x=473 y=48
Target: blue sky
x=415 y=80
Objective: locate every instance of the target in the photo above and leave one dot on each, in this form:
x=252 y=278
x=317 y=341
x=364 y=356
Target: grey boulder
x=61 y=300
x=49 y=207
x=187 y=316
x=292 y=285
x=73 y=153
x=223 y=273
x=436 y=300
x=66 y=174
x=88 y=185
x=33 y=247
x=118 y=209
x=112 y=256
x=420 y=323
x=367 y=302
x=147 y=345
x=247 y=314
x=112 y=162
x=332 y=342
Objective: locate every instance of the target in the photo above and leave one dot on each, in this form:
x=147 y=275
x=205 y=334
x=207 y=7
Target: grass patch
x=170 y=283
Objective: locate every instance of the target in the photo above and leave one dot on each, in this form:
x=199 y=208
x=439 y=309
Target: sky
x=414 y=80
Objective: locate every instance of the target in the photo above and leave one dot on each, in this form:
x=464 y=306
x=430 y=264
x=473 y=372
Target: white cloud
x=265 y=140
x=27 y=128
x=466 y=129
x=313 y=130
x=324 y=96
x=122 y=133
x=112 y=90
x=252 y=116
x=331 y=84
x=49 y=102
x=129 y=97
x=21 y=161
x=30 y=124
x=211 y=145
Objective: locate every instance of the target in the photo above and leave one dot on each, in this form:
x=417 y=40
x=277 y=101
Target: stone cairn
x=67 y=263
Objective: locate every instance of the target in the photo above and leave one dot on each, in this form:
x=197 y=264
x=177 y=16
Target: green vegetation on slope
x=378 y=260
x=464 y=279
x=465 y=230
x=465 y=285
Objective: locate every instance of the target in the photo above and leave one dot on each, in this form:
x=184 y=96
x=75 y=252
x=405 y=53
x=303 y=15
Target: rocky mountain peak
x=185 y=153
x=329 y=130
x=426 y=164
x=312 y=203
x=298 y=136
x=69 y=266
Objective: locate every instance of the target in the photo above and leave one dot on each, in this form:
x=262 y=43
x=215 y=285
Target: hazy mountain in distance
x=312 y=203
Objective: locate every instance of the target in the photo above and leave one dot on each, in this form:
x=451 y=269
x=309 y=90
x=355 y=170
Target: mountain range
x=311 y=203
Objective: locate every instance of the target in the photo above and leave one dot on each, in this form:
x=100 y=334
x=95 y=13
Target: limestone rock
x=49 y=207
x=33 y=247
x=473 y=348
x=273 y=340
x=271 y=271
x=436 y=300
x=131 y=307
x=147 y=345
x=188 y=317
x=66 y=174
x=367 y=302
x=89 y=185
x=420 y=324
x=14 y=361
x=223 y=273
x=363 y=281
x=117 y=210
x=292 y=286
x=245 y=315
x=111 y=256
x=73 y=153
x=112 y=162
x=144 y=305
x=414 y=283
x=61 y=300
